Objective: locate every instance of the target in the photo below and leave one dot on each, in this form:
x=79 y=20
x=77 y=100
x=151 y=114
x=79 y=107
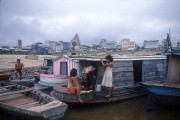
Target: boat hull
x=51 y=80
x=29 y=103
x=98 y=97
x=24 y=79
x=167 y=95
x=4 y=76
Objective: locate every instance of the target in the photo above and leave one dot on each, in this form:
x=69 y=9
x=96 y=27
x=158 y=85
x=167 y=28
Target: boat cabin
x=126 y=70
x=168 y=90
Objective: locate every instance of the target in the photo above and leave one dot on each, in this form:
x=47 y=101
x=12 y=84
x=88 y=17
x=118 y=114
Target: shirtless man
x=88 y=71
x=18 y=69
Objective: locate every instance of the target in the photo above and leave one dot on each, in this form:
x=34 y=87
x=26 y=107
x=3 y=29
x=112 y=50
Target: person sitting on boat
x=88 y=71
x=73 y=86
x=108 y=77
x=18 y=69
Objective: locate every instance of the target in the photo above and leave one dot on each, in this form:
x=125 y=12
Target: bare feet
x=86 y=91
x=80 y=100
x=108 y=96
x=89 y=91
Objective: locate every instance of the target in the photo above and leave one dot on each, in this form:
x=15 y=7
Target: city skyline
x=37 y=21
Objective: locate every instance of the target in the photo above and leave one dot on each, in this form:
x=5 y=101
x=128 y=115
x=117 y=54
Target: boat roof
x=116 y=58
x=172 y=53
x=49 y=58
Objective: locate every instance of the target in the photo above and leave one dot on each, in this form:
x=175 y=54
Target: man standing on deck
x=18 y=69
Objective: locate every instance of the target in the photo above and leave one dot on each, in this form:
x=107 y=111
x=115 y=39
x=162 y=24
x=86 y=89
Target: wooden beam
x=8 y=86
x=28 y=105
x=15 y=92
x=10 y=97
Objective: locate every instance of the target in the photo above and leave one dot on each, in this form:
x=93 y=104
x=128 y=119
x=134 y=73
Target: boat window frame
x=61 y=68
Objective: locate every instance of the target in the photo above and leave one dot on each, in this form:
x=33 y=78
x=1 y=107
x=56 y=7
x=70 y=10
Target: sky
x=42 y=20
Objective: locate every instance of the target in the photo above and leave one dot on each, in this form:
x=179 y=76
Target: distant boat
x=168 y=91
x=30 y=103
x=45 y=69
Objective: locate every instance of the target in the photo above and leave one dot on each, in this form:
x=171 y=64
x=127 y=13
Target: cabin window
x=49 y=63
x=63 y=68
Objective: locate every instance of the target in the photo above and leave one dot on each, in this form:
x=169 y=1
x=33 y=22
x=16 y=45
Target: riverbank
x=8 y=61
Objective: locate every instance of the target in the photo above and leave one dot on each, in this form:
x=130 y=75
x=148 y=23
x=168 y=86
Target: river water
x=133 y=109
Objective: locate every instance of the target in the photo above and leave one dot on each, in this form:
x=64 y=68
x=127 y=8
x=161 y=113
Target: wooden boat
x=29 y=103
x=118 y=94
x=46 y=68
x=168 y=91
x=4 y=75
x=47 y=63
x=51 y=80
x=128 y=72
x=24 y=78
x=27 y=80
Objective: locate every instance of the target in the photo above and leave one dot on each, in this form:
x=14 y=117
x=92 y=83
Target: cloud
x=39 y=20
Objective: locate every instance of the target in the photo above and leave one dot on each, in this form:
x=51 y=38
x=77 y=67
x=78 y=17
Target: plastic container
x=98 y=87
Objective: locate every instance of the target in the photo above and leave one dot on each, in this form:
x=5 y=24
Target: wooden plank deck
x=28 y=105
x=11 y=97
x=15 y=92
x=19 y=101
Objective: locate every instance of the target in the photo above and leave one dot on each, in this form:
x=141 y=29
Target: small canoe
x=29 y=103
x=24 y=79
x=27 y=80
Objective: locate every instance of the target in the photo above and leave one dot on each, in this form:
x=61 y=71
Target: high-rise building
x=19 y=43
x=128 y=45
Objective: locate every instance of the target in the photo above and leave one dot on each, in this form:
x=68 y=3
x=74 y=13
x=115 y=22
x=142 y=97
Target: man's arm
x=22 y=66
x=15 y=66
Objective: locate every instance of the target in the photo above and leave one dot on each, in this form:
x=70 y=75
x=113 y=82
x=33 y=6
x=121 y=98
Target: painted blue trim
x=163 y=90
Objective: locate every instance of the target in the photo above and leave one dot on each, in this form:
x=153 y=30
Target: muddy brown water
x=133 y=109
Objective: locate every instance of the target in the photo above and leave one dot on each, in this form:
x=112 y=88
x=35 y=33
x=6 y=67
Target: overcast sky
x=41 y=20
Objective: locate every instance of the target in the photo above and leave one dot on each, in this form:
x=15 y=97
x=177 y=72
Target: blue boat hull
x=167 y=95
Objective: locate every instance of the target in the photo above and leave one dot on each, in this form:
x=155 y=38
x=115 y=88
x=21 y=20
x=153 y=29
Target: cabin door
x=63 y=68
x=137 y=66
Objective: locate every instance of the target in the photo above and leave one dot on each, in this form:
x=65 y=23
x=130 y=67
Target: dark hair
x=110 y=58
x=73 y=72
x=18 y=60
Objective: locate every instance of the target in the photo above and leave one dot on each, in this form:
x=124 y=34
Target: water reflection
x=134 y=109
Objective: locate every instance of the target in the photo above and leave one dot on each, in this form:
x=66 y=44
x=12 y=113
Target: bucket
x=98 y=87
